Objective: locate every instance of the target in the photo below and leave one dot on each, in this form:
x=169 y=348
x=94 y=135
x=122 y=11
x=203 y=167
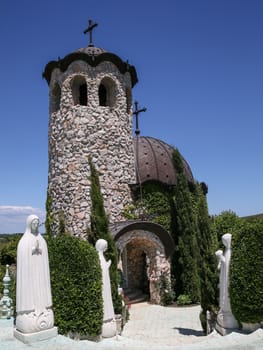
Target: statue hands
x=220 y=258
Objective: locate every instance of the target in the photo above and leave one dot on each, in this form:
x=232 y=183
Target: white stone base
x=226 y=323
x=29 y=338
x=109 y=329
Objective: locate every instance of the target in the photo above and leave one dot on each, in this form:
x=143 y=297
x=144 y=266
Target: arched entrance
x=144 y=249
x=135 y=263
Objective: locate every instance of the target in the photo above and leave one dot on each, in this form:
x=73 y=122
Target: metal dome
x=154 y=161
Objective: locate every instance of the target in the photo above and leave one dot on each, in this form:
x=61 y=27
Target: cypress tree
x=207 y=243
x=99 y=228
x=49 y=217
x=184 y=231
x=98 y=218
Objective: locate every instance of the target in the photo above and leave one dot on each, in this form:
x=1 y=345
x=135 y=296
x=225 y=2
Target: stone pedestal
x=6 y=303
x=32 y=323
x=29 y=338
x=109 y=329
x=112 y=328
x=118 y=321
x=226 y=323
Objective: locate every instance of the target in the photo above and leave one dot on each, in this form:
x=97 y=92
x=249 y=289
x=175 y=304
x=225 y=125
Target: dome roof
x=154 y=161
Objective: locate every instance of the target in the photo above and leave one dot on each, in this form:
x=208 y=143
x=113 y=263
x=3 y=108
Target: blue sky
x=200 y=70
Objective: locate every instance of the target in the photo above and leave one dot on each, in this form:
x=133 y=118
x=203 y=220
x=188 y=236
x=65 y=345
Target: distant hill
x=6 y=237
x=253 y=217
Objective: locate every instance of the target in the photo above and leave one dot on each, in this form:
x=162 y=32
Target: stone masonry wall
x=77 y=131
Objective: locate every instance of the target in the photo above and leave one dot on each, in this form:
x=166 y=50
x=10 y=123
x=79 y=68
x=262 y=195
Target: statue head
x=226 y=239
x=32 y=224
x=101 y=245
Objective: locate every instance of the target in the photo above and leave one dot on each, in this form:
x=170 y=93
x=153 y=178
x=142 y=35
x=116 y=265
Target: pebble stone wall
x=77 y=131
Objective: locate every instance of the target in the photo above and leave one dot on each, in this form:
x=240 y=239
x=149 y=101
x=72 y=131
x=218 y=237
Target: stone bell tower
x=90 y=99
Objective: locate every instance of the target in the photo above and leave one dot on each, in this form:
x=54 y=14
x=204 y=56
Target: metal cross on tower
x=89 y=30
x=136 y=113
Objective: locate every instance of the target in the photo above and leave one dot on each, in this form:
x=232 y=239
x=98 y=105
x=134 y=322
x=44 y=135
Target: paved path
x=180 y=328
x=164 y=325
x=151 y=327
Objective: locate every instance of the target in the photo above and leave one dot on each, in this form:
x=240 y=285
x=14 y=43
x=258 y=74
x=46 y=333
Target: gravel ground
x=151 y=327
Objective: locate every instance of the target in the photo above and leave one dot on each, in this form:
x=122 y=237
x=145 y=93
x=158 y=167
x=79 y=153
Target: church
x=91 y=115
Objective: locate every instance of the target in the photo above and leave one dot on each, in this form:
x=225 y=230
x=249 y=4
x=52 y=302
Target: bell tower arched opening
x=79 y=91
x=107 y=92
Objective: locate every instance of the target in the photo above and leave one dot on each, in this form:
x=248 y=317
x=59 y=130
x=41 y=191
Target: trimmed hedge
x=246 y=271
x=76 y=286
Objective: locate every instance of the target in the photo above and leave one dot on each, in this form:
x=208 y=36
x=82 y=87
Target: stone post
x=6 y=303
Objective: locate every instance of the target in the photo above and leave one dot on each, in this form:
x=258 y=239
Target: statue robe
x=33 y=291
x=108 y=310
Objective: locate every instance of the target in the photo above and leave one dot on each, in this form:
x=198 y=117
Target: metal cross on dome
x=89 y=30
x=136 y=113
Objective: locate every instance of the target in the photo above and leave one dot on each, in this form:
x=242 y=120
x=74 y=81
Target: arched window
x=79 y=91
x=55 y=98
x=102 y=95
x=83 y=94
x=107 y=92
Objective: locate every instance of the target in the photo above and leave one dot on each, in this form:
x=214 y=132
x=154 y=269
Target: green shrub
x=184 y=299
x=166 y=293
x=76 y=286
x=207 y=243
x=246 y=271
x=152 y=203
x=8 y=250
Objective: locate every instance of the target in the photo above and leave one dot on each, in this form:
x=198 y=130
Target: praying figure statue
x=33 y=292
x=225 y=319
x=109 y=324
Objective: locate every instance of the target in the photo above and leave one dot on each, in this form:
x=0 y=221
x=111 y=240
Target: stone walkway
x=180 y=329
x=150 y=327
x=163 y=325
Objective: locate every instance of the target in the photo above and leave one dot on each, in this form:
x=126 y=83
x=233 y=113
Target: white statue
x=33 y=292
x=225 y=318
x=220 y=266
x=109 y=324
